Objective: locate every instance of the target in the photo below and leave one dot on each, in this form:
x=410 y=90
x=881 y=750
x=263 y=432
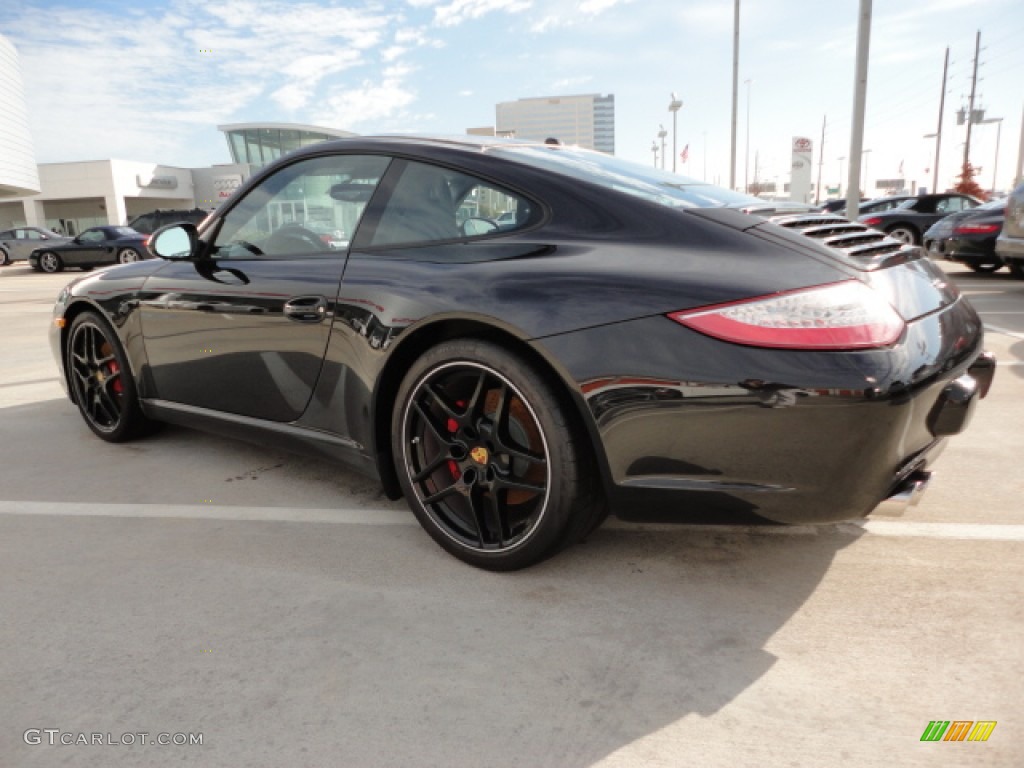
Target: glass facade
x=260 y=145
x=586 y=120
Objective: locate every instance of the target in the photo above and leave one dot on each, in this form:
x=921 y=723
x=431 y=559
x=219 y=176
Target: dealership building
x=18 y=174
x=71 y=197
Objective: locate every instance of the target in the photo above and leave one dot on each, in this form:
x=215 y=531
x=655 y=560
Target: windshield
x=657 y=186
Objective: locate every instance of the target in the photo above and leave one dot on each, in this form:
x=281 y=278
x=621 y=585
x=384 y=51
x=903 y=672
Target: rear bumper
x=795 y=437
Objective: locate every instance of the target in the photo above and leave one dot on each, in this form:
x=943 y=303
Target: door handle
x=306 y=309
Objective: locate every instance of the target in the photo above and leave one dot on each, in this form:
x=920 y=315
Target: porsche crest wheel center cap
x=479 y=454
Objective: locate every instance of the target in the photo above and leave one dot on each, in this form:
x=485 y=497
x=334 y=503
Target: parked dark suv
x=1010 y=245
x=148 y=223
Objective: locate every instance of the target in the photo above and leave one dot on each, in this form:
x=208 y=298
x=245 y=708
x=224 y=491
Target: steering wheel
x=294 y=238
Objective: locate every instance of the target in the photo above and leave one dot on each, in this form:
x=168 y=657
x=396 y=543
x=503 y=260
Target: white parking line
x=209 y=512
x=963 y=531
x=1004 y=331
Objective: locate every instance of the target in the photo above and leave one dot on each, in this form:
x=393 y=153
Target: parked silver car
x=1010 y=245
x=16 y=244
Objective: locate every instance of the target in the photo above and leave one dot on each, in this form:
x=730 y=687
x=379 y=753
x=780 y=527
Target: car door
x=88 y=248
x=244 y=330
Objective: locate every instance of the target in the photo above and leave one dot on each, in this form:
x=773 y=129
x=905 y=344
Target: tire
x=984 y=269
x=101 y=382
x=1016 y=269
x=128 y=256
x=5 y=257
x=904 y=233
x=50 y=262
x=487 y=459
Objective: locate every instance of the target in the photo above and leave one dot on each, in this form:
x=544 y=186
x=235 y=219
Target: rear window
x=652 y=184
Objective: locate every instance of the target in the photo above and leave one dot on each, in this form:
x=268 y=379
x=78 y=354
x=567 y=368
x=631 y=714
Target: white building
x=71 y=197
x=17 y=161
x=587 y=120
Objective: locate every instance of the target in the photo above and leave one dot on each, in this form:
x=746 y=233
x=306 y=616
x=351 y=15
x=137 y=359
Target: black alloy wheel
x=487 y=459
x=101 y=382
x=50 y=262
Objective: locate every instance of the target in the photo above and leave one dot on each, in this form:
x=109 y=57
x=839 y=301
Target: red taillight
x=976 y=229
x=871 y=221
x=847 y=315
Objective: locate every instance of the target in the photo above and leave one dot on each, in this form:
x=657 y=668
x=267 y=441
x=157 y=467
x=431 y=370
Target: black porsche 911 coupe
x=521 y=337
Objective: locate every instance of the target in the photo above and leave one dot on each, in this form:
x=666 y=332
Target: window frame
x=209 y=247
x=362 y=240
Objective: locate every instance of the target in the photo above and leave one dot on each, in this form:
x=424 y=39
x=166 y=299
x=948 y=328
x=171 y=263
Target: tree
x=966 y=185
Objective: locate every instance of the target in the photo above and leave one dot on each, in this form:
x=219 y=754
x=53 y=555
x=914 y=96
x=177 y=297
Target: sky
x=146 y=81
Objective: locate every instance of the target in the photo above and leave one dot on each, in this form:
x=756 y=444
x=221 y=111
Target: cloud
x=458 y=11
x=167 y=74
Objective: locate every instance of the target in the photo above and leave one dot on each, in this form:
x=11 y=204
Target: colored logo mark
x=958 y=730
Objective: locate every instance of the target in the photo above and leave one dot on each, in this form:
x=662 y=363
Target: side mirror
x=175 y=242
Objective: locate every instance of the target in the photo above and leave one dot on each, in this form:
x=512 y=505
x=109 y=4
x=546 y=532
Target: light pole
x=662 y=133
x=654 y=149
x=935 y=170
x=746 y=162
x=674 y=106
x=995 y=163
x=864 y=162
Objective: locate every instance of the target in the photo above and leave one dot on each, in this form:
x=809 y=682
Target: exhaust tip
x=907 y=494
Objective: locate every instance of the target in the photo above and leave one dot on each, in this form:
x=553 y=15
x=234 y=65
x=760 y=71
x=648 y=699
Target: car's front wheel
x=127 y=256
x=5 y=257
x=487 y=457
x=984 y=269
x=50 y=262
x=101 y=381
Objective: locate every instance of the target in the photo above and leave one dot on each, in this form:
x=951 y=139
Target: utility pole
x=860 y=93
x=735 y=90
x=1019 y=176
x=938 y=131
x=970 y=106
x=821 y=159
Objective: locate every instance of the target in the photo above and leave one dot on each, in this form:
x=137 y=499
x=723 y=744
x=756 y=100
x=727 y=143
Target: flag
x=685 y=154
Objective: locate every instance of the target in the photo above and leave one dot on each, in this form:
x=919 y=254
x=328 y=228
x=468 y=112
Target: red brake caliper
x=117 y=386
x=453 y=427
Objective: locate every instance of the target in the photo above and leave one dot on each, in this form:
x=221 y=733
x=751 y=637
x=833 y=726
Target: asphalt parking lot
x=292 y=616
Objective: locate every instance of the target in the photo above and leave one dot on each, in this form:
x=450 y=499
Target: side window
x=431 y=204
x=312 y=206
x=93 y=236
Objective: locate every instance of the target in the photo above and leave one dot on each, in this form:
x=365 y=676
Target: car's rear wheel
x=487 y=457
x=101 y=381
x=984 y=269
x=1016 y=269
x=50 y=262
x=904 y=234
x=127 y=256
